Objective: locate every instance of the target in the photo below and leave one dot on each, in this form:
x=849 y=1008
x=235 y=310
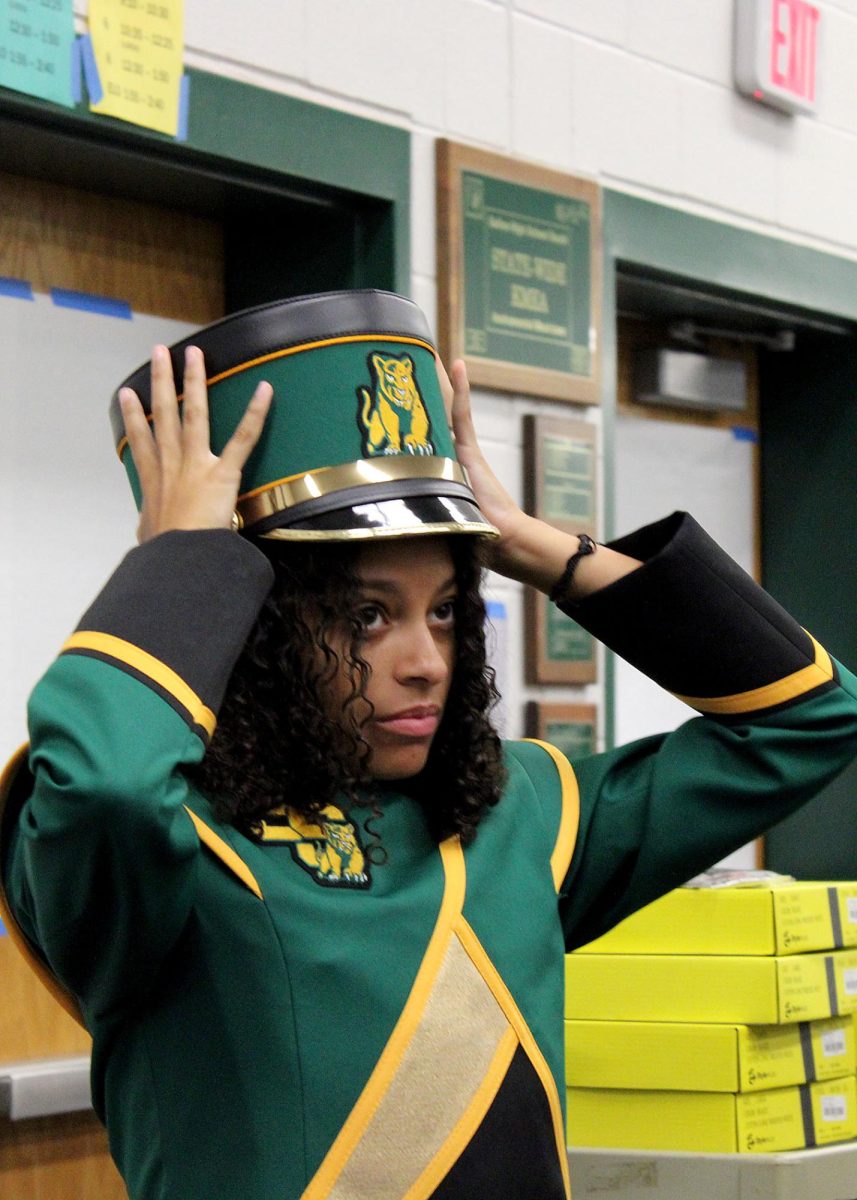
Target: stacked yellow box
x=718 y=1019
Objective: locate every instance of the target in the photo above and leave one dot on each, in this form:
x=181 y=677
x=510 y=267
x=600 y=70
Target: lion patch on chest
x=328 y=847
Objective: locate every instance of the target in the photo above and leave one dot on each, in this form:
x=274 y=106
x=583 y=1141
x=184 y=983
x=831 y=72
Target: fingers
x=139 y=436
x=165 y=409
x=185 y=485
x=462 y=417
x=249 y=429
x=194 y=418
x=456 y=399
x=445 y=387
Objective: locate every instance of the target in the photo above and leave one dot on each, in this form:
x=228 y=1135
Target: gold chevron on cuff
x=790 y=687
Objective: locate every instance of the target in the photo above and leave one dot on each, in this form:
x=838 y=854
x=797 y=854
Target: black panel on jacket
x=206 y=579
x=513 y=1154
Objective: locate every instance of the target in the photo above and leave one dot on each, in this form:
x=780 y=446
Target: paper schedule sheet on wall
x=36 y=42
x=138 y=46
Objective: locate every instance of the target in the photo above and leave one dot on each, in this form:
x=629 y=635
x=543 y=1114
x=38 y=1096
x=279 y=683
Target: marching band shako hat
x=356 y=444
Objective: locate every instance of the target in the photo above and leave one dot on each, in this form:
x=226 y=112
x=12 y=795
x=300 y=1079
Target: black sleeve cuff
x=691 y=619
x=176 y=613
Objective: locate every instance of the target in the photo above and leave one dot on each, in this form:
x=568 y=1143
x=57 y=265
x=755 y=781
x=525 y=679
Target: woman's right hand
x=184 y=485
x=528 y=550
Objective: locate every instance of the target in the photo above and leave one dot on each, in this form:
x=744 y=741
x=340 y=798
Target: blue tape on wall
x=90 y=70
x=76 y=68
x=94 y=304
x=742 y=434
x=184 y=101
x=18 y=288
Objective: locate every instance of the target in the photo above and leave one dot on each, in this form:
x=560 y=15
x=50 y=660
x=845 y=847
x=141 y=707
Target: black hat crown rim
x=256 y=332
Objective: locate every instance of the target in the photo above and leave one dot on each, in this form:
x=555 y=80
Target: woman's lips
x=414 y=722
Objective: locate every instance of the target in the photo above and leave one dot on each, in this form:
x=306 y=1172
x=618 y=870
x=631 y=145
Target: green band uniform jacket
x=276 y=1018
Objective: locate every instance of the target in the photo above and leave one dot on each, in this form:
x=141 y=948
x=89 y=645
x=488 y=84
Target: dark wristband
x=560 y=588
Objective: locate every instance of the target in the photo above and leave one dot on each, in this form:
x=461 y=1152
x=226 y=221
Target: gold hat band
x=351 y=535
x=283 y=494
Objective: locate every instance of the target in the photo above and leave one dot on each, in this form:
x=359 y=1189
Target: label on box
x=772 y=1056
x=804 y=991
x=802 y=919
x=851 y=909
x=833 y=1043
x=849 y=981
x=770 y=1121
x=833 y=1108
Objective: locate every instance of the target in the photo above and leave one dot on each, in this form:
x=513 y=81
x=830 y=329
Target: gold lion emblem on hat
x=393 y=417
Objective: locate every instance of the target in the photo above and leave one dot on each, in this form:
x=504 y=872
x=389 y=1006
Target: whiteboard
x=662 y=466
x=66 y=513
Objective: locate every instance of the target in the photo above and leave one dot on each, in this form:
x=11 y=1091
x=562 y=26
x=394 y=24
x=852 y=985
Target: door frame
x=715 y=256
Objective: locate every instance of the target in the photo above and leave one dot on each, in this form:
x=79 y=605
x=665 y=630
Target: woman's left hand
x=527 y=549
x=496 y=504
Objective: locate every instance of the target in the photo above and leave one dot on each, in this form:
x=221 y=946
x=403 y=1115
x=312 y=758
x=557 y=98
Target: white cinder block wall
x=635 y=93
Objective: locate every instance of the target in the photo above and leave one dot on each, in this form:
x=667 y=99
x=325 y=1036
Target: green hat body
x=357 y=442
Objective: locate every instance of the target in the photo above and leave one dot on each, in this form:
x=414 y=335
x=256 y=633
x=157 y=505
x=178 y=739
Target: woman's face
x=407 y=591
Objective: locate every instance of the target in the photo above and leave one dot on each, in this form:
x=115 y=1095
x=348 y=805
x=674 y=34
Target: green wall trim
x=721 y=255
x=307 y=141
x=263 y=136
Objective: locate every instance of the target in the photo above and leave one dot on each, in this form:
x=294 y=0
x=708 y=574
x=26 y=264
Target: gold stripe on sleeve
x=148 y=665
x=222 y=850
x=782 y=690
x=566 y=837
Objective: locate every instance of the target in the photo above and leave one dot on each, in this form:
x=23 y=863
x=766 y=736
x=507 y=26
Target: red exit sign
x=777 y=46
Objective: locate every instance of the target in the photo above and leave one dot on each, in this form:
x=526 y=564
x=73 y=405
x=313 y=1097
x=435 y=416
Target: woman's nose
x=424 y=655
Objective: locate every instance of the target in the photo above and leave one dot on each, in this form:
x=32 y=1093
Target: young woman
x=266 y=844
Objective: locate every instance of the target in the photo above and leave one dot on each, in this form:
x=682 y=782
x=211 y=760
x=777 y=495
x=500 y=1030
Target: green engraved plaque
x=574 y=738
x=566 y=641
x=527 y=290
x=519 y=274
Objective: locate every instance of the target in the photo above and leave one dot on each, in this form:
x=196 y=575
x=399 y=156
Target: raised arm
x=99 y=850
x=779 y=716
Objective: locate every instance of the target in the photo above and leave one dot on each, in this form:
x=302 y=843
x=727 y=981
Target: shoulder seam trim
x=569 y=823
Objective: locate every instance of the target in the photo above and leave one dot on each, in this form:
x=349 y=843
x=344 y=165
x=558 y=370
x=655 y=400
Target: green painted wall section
x=719 y=255
x=307 y=141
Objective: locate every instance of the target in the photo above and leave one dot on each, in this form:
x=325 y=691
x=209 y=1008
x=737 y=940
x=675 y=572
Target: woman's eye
x=446 y=612
x=370 y=616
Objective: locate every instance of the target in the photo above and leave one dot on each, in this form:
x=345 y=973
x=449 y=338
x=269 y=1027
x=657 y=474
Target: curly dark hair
x=276 y=744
